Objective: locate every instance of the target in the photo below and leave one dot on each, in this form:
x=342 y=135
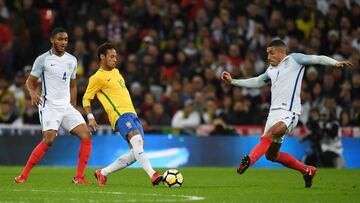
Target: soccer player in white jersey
x=57 y=70
x=285 y=73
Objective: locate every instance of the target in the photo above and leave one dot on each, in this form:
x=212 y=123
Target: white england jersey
x=286 y=79
x=55 y=73
x=286 y=84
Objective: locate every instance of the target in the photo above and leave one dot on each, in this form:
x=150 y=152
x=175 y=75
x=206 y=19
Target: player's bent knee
x=49 y=137
x=270 y=134
x=82 y=132
x=270 y=157
x=273 y=134
x=49 y=140
x=85 y=136
x=132 y=134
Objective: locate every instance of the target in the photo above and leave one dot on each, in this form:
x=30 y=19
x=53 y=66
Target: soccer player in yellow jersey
x=109 y=87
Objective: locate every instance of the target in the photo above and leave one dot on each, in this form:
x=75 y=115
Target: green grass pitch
x=53 y=184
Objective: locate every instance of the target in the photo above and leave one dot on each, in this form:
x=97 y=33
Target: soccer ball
x=173 y=178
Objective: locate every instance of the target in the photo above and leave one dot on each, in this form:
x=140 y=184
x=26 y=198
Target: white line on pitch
x=170 y=197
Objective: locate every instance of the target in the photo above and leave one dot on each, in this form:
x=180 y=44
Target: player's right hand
x=92 y=125
x=226 y=77
x=342 y=64
x=35 y=99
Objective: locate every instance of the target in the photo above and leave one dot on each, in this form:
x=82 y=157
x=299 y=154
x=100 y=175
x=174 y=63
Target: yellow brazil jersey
x=110 y=89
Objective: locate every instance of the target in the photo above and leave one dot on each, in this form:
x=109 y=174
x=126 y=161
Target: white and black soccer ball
x=173 y=178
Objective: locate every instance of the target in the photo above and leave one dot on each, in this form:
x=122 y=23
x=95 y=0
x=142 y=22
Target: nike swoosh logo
x=109 y=79
x=52 y=64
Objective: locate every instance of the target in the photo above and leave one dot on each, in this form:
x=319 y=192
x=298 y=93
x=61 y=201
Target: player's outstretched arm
x=93 y=87
x=91 y=119
x=304 y=59
x=35 y=97
x=254 y=82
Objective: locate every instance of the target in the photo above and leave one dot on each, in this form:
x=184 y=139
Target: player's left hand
x=92 y=125
x=342 y=64
x=226 y=77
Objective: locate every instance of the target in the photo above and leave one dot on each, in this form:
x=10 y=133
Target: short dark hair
x=277 y=43
x=104 y=48
x=57 y=30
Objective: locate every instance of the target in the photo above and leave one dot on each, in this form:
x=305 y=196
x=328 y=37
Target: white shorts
x=289 y=118
x=51 y=118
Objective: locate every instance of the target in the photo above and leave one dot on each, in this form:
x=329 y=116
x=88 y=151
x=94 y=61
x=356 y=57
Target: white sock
x=137 y=144
x=123 y=161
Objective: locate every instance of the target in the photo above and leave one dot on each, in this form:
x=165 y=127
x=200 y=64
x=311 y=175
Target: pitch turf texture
x=52 y=184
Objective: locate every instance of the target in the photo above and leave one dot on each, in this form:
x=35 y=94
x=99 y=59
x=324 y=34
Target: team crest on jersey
x=128 y=124
x=69 y=65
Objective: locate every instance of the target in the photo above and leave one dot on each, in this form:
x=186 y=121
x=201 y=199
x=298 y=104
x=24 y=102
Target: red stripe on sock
x=260 y=149
x=291 y=162
x=36 y=155
x=84 y=156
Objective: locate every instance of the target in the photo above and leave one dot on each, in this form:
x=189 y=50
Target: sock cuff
x=267 y=139
x=88 y=141
x=136 y=138
x=44 y=145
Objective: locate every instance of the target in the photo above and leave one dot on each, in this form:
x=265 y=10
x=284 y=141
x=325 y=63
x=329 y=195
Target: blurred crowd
x=173 y=51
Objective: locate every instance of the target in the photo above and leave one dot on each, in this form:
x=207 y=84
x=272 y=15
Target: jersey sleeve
x=73 y=75
x=304 y=59
x=38 y=66
x=254 y=82
x=93 y=87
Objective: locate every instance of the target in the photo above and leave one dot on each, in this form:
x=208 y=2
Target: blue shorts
x=128 y=122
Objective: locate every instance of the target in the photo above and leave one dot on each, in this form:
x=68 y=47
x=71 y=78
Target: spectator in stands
x=356 y=40
x=168 y=69
x=325 y=138
x=201 y=39
x=187 y=92
x=158 y=117
x=355 y=111
x=8 y=112
x=131 y=73
x=345 y=94
x=355 y=86
x=82 y=56
x=311 y=77
x=172 y=103
x=186 y=119
x=17 y=89
x=241 y=113
x=147 y=104
x=199 y=102
x=317 y=95
x=330 y=105
x=210 y=112
x=345 y=120
x=31 y=115
x=234 y=58
x=329 y=88
x=4 y=12
x=6 y=48
x=221 y=128
x=4 y=85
